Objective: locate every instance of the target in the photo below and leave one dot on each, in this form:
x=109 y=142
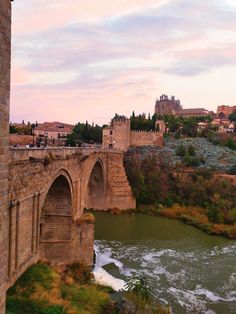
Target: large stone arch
x=95 y=196
x=56 y=220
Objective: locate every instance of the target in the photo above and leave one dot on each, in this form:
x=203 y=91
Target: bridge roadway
x=48 y=191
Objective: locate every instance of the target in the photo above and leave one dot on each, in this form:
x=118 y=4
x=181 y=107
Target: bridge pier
x=5 y=52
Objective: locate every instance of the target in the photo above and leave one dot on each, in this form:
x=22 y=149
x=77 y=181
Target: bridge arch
x=96 y=186
x=56 y=219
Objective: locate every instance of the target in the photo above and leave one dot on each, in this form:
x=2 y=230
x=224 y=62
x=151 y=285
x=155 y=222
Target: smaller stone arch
x=56 y=220
x=96 y=187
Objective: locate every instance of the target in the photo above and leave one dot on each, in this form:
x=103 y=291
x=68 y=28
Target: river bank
x=71 y=289
x=194 y=216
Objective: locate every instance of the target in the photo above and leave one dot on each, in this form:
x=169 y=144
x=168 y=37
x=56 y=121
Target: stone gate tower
x=5 y=54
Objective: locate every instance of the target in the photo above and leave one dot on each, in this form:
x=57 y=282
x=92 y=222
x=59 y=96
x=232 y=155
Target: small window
x=111 y=132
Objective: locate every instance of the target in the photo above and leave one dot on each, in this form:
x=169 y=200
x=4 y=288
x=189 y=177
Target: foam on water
x=173 y=274
x=101 y=276
x=212 y=296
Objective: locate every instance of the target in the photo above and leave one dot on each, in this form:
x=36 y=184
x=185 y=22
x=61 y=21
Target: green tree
x=139 y=286
x=232 y=116
x=84 y=133
x=191 y=151
x=180 y=151
x=13 y=129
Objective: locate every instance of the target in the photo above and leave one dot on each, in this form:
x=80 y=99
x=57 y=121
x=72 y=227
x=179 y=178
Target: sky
x=81 y=60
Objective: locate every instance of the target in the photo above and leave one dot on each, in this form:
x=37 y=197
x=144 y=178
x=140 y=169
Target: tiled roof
x=192 y=111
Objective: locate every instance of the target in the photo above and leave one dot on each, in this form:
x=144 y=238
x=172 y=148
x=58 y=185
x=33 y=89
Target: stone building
x=193 y=112
x=52 y=133
x=5 y=55
x=225 y=111
x=171 y=106
x=166 y=105
x=120 y=136
x=53 y=130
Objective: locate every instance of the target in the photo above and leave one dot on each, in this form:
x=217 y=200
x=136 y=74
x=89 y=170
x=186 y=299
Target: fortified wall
x=142 y=138
x=119 y=135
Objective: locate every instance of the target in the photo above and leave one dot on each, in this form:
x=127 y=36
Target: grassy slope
x=45 y=290
x=40 y=290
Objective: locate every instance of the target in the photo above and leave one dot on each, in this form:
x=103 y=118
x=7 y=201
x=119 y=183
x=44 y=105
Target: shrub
x=231 y=217
x=230 y=143
x=54 y=309
x=180 y=151
x=23 y=306
x=191 y=161
x=86 y=218
x=79 y=272
x=215 y=216
x=177 y=135
x=206 y=174
x=139 y=286
x=38 y=275
x=232 y=170
x=191 y=151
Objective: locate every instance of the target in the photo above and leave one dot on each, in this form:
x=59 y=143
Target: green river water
x=186 y=268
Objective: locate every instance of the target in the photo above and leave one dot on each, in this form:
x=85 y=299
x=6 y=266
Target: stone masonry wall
x=121 y=129
x=5 y=53
x=119 y=194
x=47 y=200
x=142 y=138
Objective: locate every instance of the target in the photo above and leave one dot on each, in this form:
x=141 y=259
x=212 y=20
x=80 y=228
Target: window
x=111 y=132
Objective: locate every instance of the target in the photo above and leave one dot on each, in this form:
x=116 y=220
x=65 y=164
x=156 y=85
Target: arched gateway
x=56 y=222
x=96 y=188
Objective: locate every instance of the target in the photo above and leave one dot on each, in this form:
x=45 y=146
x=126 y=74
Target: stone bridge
x=43 y=192
x=48 y=191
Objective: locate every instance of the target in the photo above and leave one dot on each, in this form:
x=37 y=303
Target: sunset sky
x=89 y=59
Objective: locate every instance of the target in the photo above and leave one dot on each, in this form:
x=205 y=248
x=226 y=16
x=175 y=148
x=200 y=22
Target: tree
x=84 y=133
x=13 y=129
x=232 y=116
x=232 y=170
x=191 y=150
x=139 y=286
x=180 y=151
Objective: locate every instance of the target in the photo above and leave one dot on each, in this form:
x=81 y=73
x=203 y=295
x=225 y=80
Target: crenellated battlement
x=144 y=132
x=120 y=136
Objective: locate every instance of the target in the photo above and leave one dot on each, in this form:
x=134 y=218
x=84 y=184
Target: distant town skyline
x=88 y=59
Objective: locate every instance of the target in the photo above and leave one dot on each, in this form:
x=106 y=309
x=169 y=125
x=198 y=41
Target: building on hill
x=52 y=132
x=225 y=111
x=193 y=112
x=120 y=136
x=166 y=105
x=53 y=129
x=171 y=106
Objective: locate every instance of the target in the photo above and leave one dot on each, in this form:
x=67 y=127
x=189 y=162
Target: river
x=191 y=271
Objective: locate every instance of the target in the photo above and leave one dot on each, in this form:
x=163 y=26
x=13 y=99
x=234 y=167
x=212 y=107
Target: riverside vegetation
x=70 y=289
x=197 y=196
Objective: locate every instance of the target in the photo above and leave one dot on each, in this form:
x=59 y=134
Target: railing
x=19 y=153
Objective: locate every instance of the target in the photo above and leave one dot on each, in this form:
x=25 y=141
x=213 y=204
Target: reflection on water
x=188 y=269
